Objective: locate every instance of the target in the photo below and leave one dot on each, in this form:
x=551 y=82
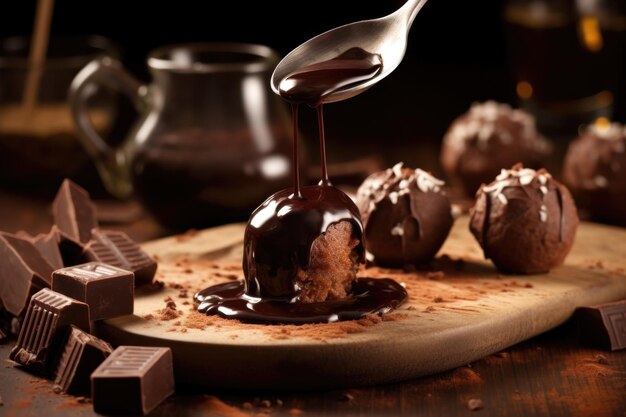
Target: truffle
x=406 y=215
x=303 y=249
x=525 y=221
x=594 y=170
x=489 y=137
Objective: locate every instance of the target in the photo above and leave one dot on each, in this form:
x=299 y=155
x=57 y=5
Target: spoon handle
x=410 y=9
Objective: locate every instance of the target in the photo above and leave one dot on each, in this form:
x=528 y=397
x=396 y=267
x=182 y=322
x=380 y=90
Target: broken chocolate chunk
x=48 y=247
x=133 y=380
x=81 y=355
x=47 y=319
x=603 y=326
x=117 y=249
x=23 y=272
x=108 y=290
x=74 y=213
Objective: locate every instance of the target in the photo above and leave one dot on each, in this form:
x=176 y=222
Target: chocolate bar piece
x=3 y=337
x=71 y=250
x=23 y=272
x=604 y=325
x=117 y=249
x=132 y=380
x=41 y=337
x=81 y=355
x=108 y=290
x=47 y=246
x=73 y=212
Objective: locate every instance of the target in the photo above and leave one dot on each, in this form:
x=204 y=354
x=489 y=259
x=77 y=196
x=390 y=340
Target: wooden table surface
x=551 y=374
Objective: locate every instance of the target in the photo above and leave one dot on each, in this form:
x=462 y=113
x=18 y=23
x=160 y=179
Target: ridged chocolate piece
x=603 y=326
x=81 y=355
x=108 y=290
x=3 y=337
x=23 y=272
x=132 y=380
x=41 y=337
x=73 y=212
x=117 y=249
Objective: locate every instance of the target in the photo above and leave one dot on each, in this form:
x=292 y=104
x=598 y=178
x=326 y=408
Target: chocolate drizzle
x=559 y=198
x=280 y=233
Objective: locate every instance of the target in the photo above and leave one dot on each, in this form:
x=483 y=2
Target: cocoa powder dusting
x=169 y=312
x=213 y=406
x=459 y=281
x=323 y=331
x=475 y=404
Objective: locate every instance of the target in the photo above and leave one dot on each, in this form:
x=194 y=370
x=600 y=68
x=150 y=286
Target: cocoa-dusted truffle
x=525 y=221
x=406 y=215
x=594 y=169
x=489 y=137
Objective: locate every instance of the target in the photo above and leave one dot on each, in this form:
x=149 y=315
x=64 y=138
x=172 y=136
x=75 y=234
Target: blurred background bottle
x=567 y=59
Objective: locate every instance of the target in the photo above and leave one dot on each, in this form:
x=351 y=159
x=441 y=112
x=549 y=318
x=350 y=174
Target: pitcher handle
x=112 y=163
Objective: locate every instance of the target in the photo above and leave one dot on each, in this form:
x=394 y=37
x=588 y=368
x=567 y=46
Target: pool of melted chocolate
x=369 y=296
x=280 y=233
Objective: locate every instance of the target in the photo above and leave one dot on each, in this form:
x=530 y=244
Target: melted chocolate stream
x=280 y=233
x=320 y=123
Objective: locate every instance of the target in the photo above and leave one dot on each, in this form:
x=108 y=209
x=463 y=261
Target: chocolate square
x=73 y=212
x=117 y=249
x=604 y=325
x=41 y=337
x=108 y=290
x=81 y=355
x=23 y=272
x=133 y=380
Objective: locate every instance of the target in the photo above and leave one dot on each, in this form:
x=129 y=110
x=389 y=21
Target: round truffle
x=489 y=137
x=594 y=169
x=525 y=221
x=303 y=248
x=406 y=216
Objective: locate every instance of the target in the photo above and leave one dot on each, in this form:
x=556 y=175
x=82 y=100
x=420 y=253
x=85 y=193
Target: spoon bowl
x=386 y=36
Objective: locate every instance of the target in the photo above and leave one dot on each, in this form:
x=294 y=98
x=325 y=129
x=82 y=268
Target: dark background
x=457 y=54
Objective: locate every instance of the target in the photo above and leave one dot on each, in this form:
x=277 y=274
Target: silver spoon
x=386 y=36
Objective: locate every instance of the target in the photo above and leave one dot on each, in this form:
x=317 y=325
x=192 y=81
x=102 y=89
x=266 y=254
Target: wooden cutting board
x=459 y=311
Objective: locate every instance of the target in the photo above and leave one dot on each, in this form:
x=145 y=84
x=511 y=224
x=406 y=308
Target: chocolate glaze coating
x=489 y=137
x=406 y=215
x=525 y=221
x=281 y=232
x=594 y=170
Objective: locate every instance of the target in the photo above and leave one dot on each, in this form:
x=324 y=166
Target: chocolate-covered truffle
x=525 y=221
x=594 y=170
x=406 y=215
x=489 y=137
x=303 y=249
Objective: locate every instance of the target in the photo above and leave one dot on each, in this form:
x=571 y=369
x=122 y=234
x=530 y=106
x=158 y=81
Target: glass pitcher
x=212 y=141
